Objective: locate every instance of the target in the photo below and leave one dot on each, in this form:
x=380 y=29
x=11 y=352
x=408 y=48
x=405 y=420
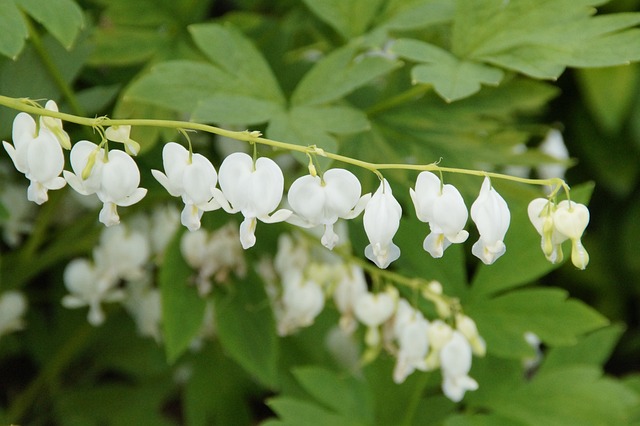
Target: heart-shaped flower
x=491 y=215
x=381 y=222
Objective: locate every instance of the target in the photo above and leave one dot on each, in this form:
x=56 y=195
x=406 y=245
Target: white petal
x=571 y=219
x=45 y=159
x=199 y=179
x=233 y=178
x=120 y=178
x=427 y=189
x=381 y=222
x=175 y=158
x=247 y=232
x=190 y=217
x=374 y=309
x=109 y=214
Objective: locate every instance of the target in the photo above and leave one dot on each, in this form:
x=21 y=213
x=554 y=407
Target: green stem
x=254 y=137
x=53 y=368
x=52 y=68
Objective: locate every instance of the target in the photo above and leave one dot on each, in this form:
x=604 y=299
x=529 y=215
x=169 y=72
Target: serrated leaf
x=246 y=328
x=62 y=18
x=165 y=85
x=594 y=349
x=234 y=110
x=350 y=18
x=339 y=74
x=182 y=308
x=344 y=395
x=297 y=412
x=14 y=30
x=311 y=125
x=576 y=395
x=451 y=77
x=541 y=38
x=235 y=55
x=415 y=14
x=547 y=312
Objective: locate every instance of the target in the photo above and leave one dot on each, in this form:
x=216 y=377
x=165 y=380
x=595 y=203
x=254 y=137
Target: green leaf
x=415 y=14
x=177 y=85
x=217 y=390
x=339 y=74
x=480 y=419
x=344 y=395
x=14 y=30
x=547 y=312
x=295 y=412
x=350 y=18
x=4 y=212
x=246 y=328
x=234 y=110
x=609 y=93
x=594 y=349
x=62 y=18
x=182 y=308
x=577 y=395
x=314 y=125
x=451 y=77
x=541 y=38
x=235 y=55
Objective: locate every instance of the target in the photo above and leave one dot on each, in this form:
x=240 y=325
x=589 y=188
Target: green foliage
x=62 y=18
x=456 y=83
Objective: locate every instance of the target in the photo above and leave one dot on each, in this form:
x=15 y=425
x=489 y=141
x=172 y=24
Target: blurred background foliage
x=294 y=82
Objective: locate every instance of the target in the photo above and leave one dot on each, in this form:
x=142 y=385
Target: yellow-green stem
x=251 y=137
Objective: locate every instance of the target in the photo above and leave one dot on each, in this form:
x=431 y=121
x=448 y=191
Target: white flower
x=113 y=176
x=381 y=222
x=120 y=180
x=143 y=303
x=191 y=177
x=491 y=215
x=214 y=255
x=443 y=208
x=164 y=223
x=254 y=189
x=469 y=330
x=540 y=213
x=13 y=305
x=455 y=362
x=571 y=219
x=556 y=224
x=121 y=134
x=302 y=301
x=321 y=201
x=553 y=145
x=439 y=333
x=54 y=125
x=89 y=287
x=122 y=253
x=38 y=156
x=351 y=286
x=373 y=310
x=413 y=346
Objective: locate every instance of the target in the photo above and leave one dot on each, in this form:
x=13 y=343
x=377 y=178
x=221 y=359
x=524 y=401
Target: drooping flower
x=491 y=215
x=254 y=189
x=87 y=286
x=374 y=309
x=38 y=155
x=540 y=213
x=411 y=333
x=322 y=201
x=571 y=219
x=381 y=222
x=302 y=300
x=455 y=362
x=121 y=134
x=443 y=208
x=558 y=223
x=54 y=125
x=113 y=176
x=191 y=177
x=351 y=286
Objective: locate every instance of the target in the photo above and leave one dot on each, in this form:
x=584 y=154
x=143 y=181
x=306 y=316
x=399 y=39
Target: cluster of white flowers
x=254 y=187
x=306 y=281
x=121 y=271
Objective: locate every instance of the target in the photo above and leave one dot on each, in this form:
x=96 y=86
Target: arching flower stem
x=254 y=137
